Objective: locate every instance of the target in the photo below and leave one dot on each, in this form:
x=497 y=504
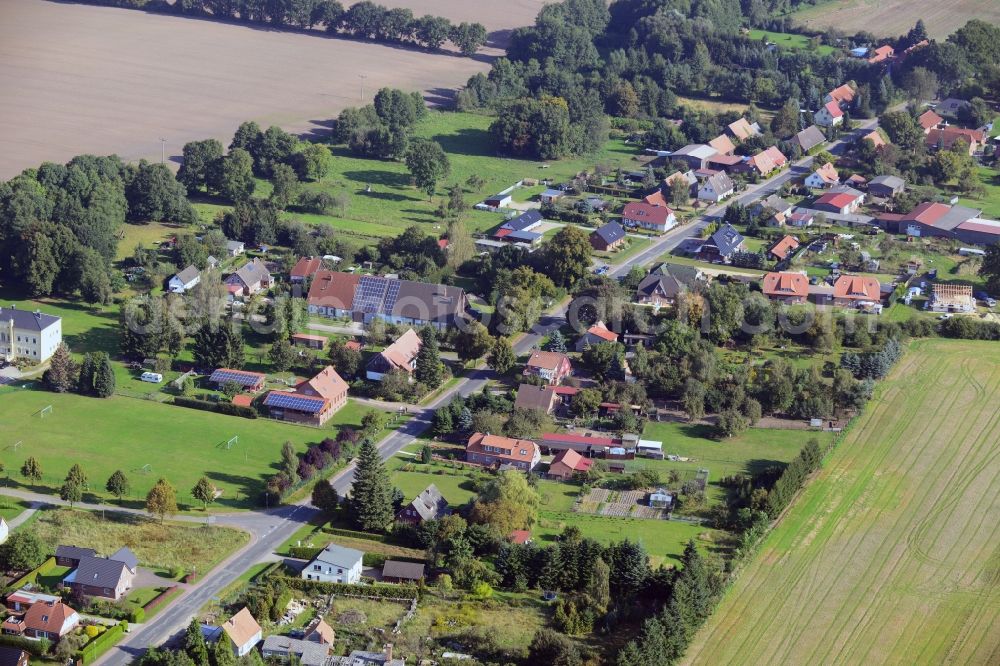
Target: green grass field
x=990 y=203
x=787 y=40
x=891 y=554
x=125 y=433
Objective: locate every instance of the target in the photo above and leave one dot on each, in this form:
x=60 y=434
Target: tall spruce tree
x=104 y=376
x=195 y=645
x=429 y=369
x=63 y=373
x=371 y=494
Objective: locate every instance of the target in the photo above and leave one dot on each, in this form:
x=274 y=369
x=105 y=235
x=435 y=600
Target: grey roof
x=99 y=572
x=408 y=570
x=308 y=652
x=845 y=189
x=430 y=504
x=188 y=274
x=810 y=137
x=720 y=182
x=524 y=220
x=775 y=202
x=668 y=285
x=530 y=396
x=234 y=245
x=610 y=232
x=339 y=556
x=126 y=556
x=699 y=150
x=74 y=552
x=365 y=658
x=524 y=235
x=25 y=319
x=727 y=239
x=428 y=301
x=253 y=272
x=682 y=272
x=11 y=656
x=956 y=216
x=892 y=182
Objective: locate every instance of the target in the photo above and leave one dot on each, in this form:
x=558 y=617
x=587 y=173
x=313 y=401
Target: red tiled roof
x=655 y=199
x=333 y=289
x=722 y=144
x=327 y=384
x=929 y=119
x=837 y=199
x=601 y=331
x=502 y=232
x=242 y=400
x=636 y=210
x=881 y=53
x=573 y=460
x=47 y=617
x=353 y=344
x=828 y=172
x=443 y=243
x=876 y=138
x=546 y=360
x=833 y=109
x=842 y=94
x=786 y=284
x=784 y=246
x=947 y=137
x=857 y=287
x=520 y=536
x=521 y=450
x=306 y=266
x=776 y=156
x=565 y=390
x=928 y=212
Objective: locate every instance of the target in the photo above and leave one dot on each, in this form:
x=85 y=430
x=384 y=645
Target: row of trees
x=94 y=376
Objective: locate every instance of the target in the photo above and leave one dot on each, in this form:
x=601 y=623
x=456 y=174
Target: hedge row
x=304 y=552
x=337 y=531
x=36 y=648
x=227 y=408
x=104 y=642
x=137 y=616
x=378 y=590
x=159 y=599
x=32 y=576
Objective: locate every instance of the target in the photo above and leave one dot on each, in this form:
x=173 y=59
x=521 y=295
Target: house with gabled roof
x=881 y=54
x=665 y=284
x=856 y=291
x=951 y=107
x=841 y=200
x=30 y=335
x=553 y=367
x=809 y=138
x=761 y=164
x=945 y=139
x=304 y=269
x=648 y=216
x=776 y=156
x=243 y=632
x=843 y=95
x=184 y=280
x=101 y=577
x=608 y=237
x=521 y=228
x=49 y=619
x=596 y=334
x=783 y=247
x=285 y=649
x=364 y=298
x=722 y=245
x=400 y=355
x=886 y=186
x=829 y=115
x=716 y=187
x=543 y=398
x=722 y=145
x=331 y=294
x=877 y=140
x=247 y=380
x=70 y=556
x=823 y=177
x=741 y=129
x=312 y=401
x=494 y=450
x=335 y=564
x=430 y=504
x=929 y=120
x=251 y=278
x=695 y=155
x=567 y=464
x=791 y=288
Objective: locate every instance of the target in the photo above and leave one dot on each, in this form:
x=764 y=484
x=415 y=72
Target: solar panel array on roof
x=299 y=403
x=375 y=295
x=222 y=375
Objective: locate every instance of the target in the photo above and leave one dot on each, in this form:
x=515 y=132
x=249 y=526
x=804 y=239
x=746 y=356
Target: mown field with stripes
x=891 y=555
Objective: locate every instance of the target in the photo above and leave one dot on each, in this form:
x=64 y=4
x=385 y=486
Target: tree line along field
x=104 y=435
x=891 y=18
x=891 y=554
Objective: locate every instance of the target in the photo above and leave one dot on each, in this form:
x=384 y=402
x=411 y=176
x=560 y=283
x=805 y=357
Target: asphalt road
x=270 y=529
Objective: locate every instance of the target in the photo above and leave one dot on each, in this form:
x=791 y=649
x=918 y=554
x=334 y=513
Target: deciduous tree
x=162 y=499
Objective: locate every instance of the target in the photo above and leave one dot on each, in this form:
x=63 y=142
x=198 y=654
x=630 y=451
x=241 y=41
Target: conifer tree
x=429 y=370
x=371 y=494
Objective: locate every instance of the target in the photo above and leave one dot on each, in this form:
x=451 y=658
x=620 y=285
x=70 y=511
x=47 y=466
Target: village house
x=596 y=334
x=809 y=138
x=822 y=178
x=945 y=139
x=666 y=283
x=886 y=187
x=648 y=216
x=722 y=145
x=519 y=229
x=951 y=107
x=800 y=219
x=243 y=632
x=543 y=398
x=105 y=577
x=551 y=196
x=492 y=450
x=567 y=464
x=695 y=155
x=553 y=367
x=760 y=164
x=881 y=54
x=364 y=298
x=400 y=355
x=722 y=245
x=588 y=445
x=285 y=649
x=305 y=269
x=251 y=278
x=856 y=291
x=741 y=129
x=312 y=402
x=929 y=120
x=829 y=115
x=49 y=619
x=783 y=247
x=790 y=288
x=843 y=95
x=954 y=298
x=185 y=280
x=29 y=335
x=842 y=200
x=607 y=238
x=335 y=564
x=773 y=203
x=497 y=201
x=235 y=248
x=430 y=504
x=308 y=341
x=247 y=381
x=944 y=221
x=716 y=187
x=776 y=156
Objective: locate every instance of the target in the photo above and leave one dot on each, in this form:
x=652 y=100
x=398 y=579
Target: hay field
x=892 y=555
x=891 y=18
x=81 y=78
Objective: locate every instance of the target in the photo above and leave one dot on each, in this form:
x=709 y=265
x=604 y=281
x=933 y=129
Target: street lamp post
x=163 y=150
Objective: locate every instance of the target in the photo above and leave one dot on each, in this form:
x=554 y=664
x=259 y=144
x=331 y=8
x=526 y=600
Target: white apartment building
x=30 y=335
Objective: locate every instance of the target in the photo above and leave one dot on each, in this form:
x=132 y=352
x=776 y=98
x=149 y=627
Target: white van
x=151 y=377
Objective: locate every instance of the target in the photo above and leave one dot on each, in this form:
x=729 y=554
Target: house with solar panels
x=312 y=402
x=400 y=355
x=248 y=381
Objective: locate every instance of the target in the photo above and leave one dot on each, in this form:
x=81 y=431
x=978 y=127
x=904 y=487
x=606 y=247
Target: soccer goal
x=233 y=441
x=17 y=444
x=146 y=469
x=45 y=411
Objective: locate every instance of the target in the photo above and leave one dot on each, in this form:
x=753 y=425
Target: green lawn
x=178 y=443
x=634 y=247
x=990 y=203
x=85 y=327
x=787 y=40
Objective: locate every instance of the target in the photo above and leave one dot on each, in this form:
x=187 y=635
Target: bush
x=337 y=531
x=377 y=590
x=95 y=648
x=227 y=408
x=137 y=616
x=35 y=648
x=304 y=552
